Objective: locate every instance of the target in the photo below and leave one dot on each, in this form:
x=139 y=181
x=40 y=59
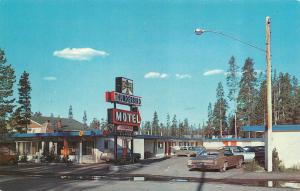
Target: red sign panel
x=123 y=117
x=124 y=128
x=123 y=98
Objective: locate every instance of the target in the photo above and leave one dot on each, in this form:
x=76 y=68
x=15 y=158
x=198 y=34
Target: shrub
x=277 y=166
x=253 y=166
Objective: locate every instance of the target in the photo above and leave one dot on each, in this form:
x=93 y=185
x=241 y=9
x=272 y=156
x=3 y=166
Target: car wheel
x=224 y=167
x=11 y=162
x=240 y=163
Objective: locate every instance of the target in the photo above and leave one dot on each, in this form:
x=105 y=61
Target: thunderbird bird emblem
x=127 y=87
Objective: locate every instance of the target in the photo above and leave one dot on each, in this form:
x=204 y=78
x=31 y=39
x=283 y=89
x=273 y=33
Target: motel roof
x=67 y=124
x=164 y=137
x=275 y=128
x=58 y=134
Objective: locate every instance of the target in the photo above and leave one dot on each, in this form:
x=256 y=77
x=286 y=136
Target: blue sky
x=73 y=50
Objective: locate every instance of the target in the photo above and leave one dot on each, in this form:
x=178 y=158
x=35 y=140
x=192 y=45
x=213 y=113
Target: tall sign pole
x=268 y=132
x=125 y=122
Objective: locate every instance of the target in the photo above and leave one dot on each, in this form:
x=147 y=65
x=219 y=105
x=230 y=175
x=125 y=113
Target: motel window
x=87 y=147
x=106 y=144
x=160 y=145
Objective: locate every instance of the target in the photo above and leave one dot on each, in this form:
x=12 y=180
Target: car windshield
x=211 y=153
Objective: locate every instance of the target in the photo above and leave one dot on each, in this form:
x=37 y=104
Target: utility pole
x=235 y=128
x=268 y=131
x=221 y=128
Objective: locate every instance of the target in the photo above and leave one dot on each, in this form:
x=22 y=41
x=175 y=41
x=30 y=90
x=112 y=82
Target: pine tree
x=247 y=93
x=219 y=111
x=231 y=122
x=155 y=124
x=174 y=127
x=7 y=80
x=233 y=87
x=208 y=131
x=37 y=114
x=95 y=124
x=297 y=107
x=147 y=128
x=168 y=125
x=84 y=118
x=186 y=126
x=181 y=129
x=24 y=110
x=103 y=124
x=296 y=100
x=260 y=111
x=285 y=102
x=161 y=129
x=70 y=114
x=275 y=97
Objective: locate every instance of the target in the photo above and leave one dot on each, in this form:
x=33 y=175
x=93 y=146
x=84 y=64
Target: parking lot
x=177 y=166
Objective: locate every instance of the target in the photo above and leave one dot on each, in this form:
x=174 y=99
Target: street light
x=267 y=51
x=199 y=31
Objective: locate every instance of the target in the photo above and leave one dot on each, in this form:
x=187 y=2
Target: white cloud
x=183 y=76
x=156 y=75
x=79 y=53
x=50 y=78
x=213 y=72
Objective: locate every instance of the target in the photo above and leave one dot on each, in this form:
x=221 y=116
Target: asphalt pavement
x=157 y=174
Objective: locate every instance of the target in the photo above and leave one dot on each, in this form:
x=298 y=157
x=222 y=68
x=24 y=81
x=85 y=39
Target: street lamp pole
x=267 y=51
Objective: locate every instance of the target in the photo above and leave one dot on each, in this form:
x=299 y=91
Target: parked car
x=216 y=159
x=109 y=155
x=237 y=150
x=188 y=151
x=259 y=153
x=200 y=150
x=8 y=156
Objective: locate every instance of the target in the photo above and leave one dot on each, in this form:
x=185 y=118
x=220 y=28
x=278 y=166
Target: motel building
x=86 y=145
x=285 y=139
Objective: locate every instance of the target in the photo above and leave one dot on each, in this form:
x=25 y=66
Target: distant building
x=43 y=124
x=285 y=139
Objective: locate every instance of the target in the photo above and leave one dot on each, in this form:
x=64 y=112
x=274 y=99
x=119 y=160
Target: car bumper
x=203 y=166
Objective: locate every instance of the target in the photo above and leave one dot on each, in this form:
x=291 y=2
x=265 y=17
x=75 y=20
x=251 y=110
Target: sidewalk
x=289 y=176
